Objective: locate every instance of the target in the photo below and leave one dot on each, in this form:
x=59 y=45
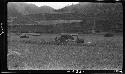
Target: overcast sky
x=55 y=5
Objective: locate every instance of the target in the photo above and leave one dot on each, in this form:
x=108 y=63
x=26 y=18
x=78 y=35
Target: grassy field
x=102 y=53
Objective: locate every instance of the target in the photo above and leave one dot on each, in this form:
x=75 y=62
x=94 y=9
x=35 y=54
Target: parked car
x=24 y=35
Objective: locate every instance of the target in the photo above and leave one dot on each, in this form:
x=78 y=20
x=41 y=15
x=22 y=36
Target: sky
x=55 y=5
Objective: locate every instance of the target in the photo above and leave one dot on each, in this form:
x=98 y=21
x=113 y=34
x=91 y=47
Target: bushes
x=108 y=35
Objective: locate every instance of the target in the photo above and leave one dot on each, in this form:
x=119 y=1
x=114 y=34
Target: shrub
x=108 y=35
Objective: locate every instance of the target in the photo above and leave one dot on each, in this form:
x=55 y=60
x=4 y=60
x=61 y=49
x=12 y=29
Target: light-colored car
x=24 y=35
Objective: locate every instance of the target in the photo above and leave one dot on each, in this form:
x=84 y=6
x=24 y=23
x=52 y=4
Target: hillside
x=25 y=9
x=17 y=12
x=12 y=11
x=105 y=16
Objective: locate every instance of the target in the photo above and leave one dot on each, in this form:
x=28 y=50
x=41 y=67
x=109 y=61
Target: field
x=29 y=53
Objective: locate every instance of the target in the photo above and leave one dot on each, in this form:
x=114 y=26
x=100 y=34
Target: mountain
x=17 y=11
x=92 y=9
x=16 y=15
x=46 y=9
x=101 y=11
x=37 y=10
x=25 y=9
x=105 y=16
x=12 y=11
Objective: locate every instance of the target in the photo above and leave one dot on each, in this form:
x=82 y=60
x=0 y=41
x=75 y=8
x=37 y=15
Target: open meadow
x=30 y=53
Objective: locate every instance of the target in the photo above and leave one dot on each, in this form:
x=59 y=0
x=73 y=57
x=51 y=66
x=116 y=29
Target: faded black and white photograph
x=64 y=36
